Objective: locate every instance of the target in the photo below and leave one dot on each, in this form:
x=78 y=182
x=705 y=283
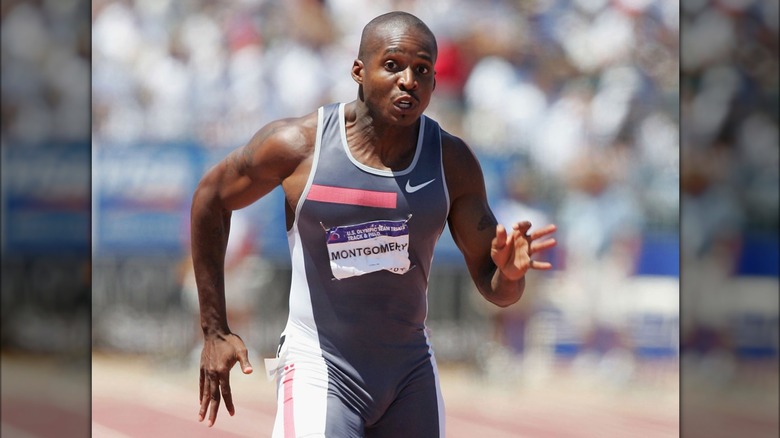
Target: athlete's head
x=395 y=66
x=397 y=20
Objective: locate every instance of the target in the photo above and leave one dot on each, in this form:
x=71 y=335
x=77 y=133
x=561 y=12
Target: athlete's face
x=397 y=75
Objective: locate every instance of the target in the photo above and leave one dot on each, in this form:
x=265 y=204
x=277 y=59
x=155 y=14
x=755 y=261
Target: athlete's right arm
x=243 y=177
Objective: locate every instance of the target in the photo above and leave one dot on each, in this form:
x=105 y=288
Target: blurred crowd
x=582 y=92
x=729 y=215
x=729 y=104
x=45 y=71
x=585 y=93
x=593 y=114
x=729 y=191
x=574 y=106
x=581 y=96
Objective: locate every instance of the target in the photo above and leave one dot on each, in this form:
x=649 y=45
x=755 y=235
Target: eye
x=391 y=65
x=423 y=69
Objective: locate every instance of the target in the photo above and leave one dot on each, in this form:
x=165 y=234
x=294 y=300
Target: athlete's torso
x=362 y=245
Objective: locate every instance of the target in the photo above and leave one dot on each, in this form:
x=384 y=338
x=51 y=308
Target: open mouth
x=404 y=103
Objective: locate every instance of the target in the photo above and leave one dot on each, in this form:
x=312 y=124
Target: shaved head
x=396 y=20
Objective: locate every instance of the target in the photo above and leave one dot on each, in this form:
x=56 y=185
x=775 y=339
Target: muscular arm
x=243 y=177
x=272 y=157
x=497 y=259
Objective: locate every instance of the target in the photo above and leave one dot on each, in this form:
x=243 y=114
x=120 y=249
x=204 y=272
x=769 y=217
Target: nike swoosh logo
x=411 y=189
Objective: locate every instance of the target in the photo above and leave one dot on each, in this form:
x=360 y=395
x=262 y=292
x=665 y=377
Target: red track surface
x=135 y=398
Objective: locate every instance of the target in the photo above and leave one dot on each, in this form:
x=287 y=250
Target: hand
x=511 y=252
x=219 y=355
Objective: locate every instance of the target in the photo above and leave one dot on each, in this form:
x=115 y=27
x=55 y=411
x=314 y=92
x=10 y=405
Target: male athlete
x=369 y=187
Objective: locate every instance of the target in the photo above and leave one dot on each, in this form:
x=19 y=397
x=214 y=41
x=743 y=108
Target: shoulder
x=461 y=167
x=276 y=150
x=454 y=148
x=293 y=134
x=283 y=143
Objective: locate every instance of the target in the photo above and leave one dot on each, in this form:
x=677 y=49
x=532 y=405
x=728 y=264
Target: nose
x=407 y=79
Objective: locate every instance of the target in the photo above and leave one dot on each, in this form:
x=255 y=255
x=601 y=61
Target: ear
x=357 y=71
x=434 y=81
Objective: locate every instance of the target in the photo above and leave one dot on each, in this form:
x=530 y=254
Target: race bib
x=368 y=247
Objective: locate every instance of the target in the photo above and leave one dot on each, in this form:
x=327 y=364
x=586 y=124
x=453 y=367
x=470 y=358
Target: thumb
x=243 y=359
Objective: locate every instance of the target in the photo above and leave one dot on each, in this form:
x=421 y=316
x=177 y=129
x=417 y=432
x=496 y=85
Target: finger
x=501 y=237
x=227 y=395
x=522 y=227
x=200 y=385
x=540 y=266
x=549 y=229
x=214 y=401
x=521 y=239
x=243 y=359
x=543 y=245
x=204 y=401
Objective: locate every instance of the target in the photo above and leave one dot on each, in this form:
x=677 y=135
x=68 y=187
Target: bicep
x=471 y=221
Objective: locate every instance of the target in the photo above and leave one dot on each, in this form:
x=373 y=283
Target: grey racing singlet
x=355 y=359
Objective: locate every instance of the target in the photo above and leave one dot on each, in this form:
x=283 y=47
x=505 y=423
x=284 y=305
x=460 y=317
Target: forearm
x=209 y=228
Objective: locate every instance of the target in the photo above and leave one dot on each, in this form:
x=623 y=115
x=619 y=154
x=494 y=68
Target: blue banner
x=45 y=199
x=142 y=197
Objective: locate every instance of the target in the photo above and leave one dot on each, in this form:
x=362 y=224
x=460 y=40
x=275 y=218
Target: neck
x=378 y=144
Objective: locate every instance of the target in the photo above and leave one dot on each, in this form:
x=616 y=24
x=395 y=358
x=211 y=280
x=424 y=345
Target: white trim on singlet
x=372 y=170
x=444 y=177
x=308 y=413
x=439 y=396
x=300 y=296
x=314 y=161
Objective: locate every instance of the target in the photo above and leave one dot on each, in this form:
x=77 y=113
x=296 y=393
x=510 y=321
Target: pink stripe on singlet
x=341 y=195
x=289 y=412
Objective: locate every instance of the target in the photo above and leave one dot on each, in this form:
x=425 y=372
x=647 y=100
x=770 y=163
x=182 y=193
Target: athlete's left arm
x=497 y=258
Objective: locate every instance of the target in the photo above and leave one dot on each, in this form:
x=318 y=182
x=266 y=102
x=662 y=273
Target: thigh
x=308 y=407
x=417 y=412
x=342 y=421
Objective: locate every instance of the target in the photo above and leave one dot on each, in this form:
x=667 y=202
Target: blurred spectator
x=711 y=224
x=599 y=213
x=601 y=223
x=524 y=200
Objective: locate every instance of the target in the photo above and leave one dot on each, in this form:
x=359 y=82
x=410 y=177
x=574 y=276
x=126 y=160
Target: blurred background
x=649 y=150
x=571 y=106
x=45 y=218
x=729 y=218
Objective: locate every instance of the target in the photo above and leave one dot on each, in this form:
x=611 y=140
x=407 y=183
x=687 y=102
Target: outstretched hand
x=512 y=251
x=219 y=355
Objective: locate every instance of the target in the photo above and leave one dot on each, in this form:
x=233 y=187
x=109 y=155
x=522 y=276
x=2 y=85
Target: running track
x=133 y=398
